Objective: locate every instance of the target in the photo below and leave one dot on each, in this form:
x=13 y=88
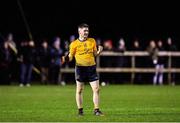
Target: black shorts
x=86 y=73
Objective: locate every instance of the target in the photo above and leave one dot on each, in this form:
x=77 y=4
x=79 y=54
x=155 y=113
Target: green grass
x=118 y=102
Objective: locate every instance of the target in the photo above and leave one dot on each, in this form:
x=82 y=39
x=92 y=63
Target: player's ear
x=79 y=30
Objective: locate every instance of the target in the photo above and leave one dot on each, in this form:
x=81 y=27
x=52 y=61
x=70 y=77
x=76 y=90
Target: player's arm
x=98 y=51
x=69 y=56
x=66 y=58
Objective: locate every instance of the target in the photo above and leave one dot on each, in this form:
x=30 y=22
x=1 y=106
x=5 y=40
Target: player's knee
x=79 y=90
x=96 y=89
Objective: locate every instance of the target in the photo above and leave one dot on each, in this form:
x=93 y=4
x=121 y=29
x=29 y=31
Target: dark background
x=107 y=19
x=110 y=19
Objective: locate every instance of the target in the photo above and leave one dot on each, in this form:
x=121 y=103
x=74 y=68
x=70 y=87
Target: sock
x=96 y=109
x=80 y=109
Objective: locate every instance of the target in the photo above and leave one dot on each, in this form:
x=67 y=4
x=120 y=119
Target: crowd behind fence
x=19 y=61
x=132 y=69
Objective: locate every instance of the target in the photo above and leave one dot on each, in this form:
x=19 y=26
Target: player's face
x=84 y=32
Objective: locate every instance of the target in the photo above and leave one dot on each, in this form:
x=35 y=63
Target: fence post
x=132 y=66
x=169 y=68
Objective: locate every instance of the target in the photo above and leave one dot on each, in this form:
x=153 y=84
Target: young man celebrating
x=84 y=50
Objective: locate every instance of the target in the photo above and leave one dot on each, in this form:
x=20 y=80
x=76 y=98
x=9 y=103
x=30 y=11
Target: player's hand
x=100 y=49
x=63 y=60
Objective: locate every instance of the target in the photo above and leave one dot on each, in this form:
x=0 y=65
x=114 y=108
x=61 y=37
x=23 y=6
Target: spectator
x=107 y=60
x=121 y=61
x=5 y=63
x=12 y=45
x=56 y=54
x=172 y=48
x=44 y=60
x=121 y=48
x=138 y=61
x=153 y=53
x=160 y=65
x=27 y=57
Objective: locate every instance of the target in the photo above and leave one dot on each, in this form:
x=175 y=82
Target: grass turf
x=120 y=103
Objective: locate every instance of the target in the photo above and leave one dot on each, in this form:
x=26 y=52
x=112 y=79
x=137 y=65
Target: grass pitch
x=119 y=103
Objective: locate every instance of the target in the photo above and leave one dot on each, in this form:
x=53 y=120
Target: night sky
x=107 y=20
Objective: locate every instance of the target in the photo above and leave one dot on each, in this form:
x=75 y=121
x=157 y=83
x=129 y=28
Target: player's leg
x=79 y=96
x=95 y=89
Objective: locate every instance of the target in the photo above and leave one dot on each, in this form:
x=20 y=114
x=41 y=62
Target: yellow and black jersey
x=83 y=51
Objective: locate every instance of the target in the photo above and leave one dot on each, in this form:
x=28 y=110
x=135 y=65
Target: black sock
x=97 y=109
x=80 y=109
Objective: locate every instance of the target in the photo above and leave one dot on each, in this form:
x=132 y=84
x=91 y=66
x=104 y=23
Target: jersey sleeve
x=72 y=50
x=95 y=47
